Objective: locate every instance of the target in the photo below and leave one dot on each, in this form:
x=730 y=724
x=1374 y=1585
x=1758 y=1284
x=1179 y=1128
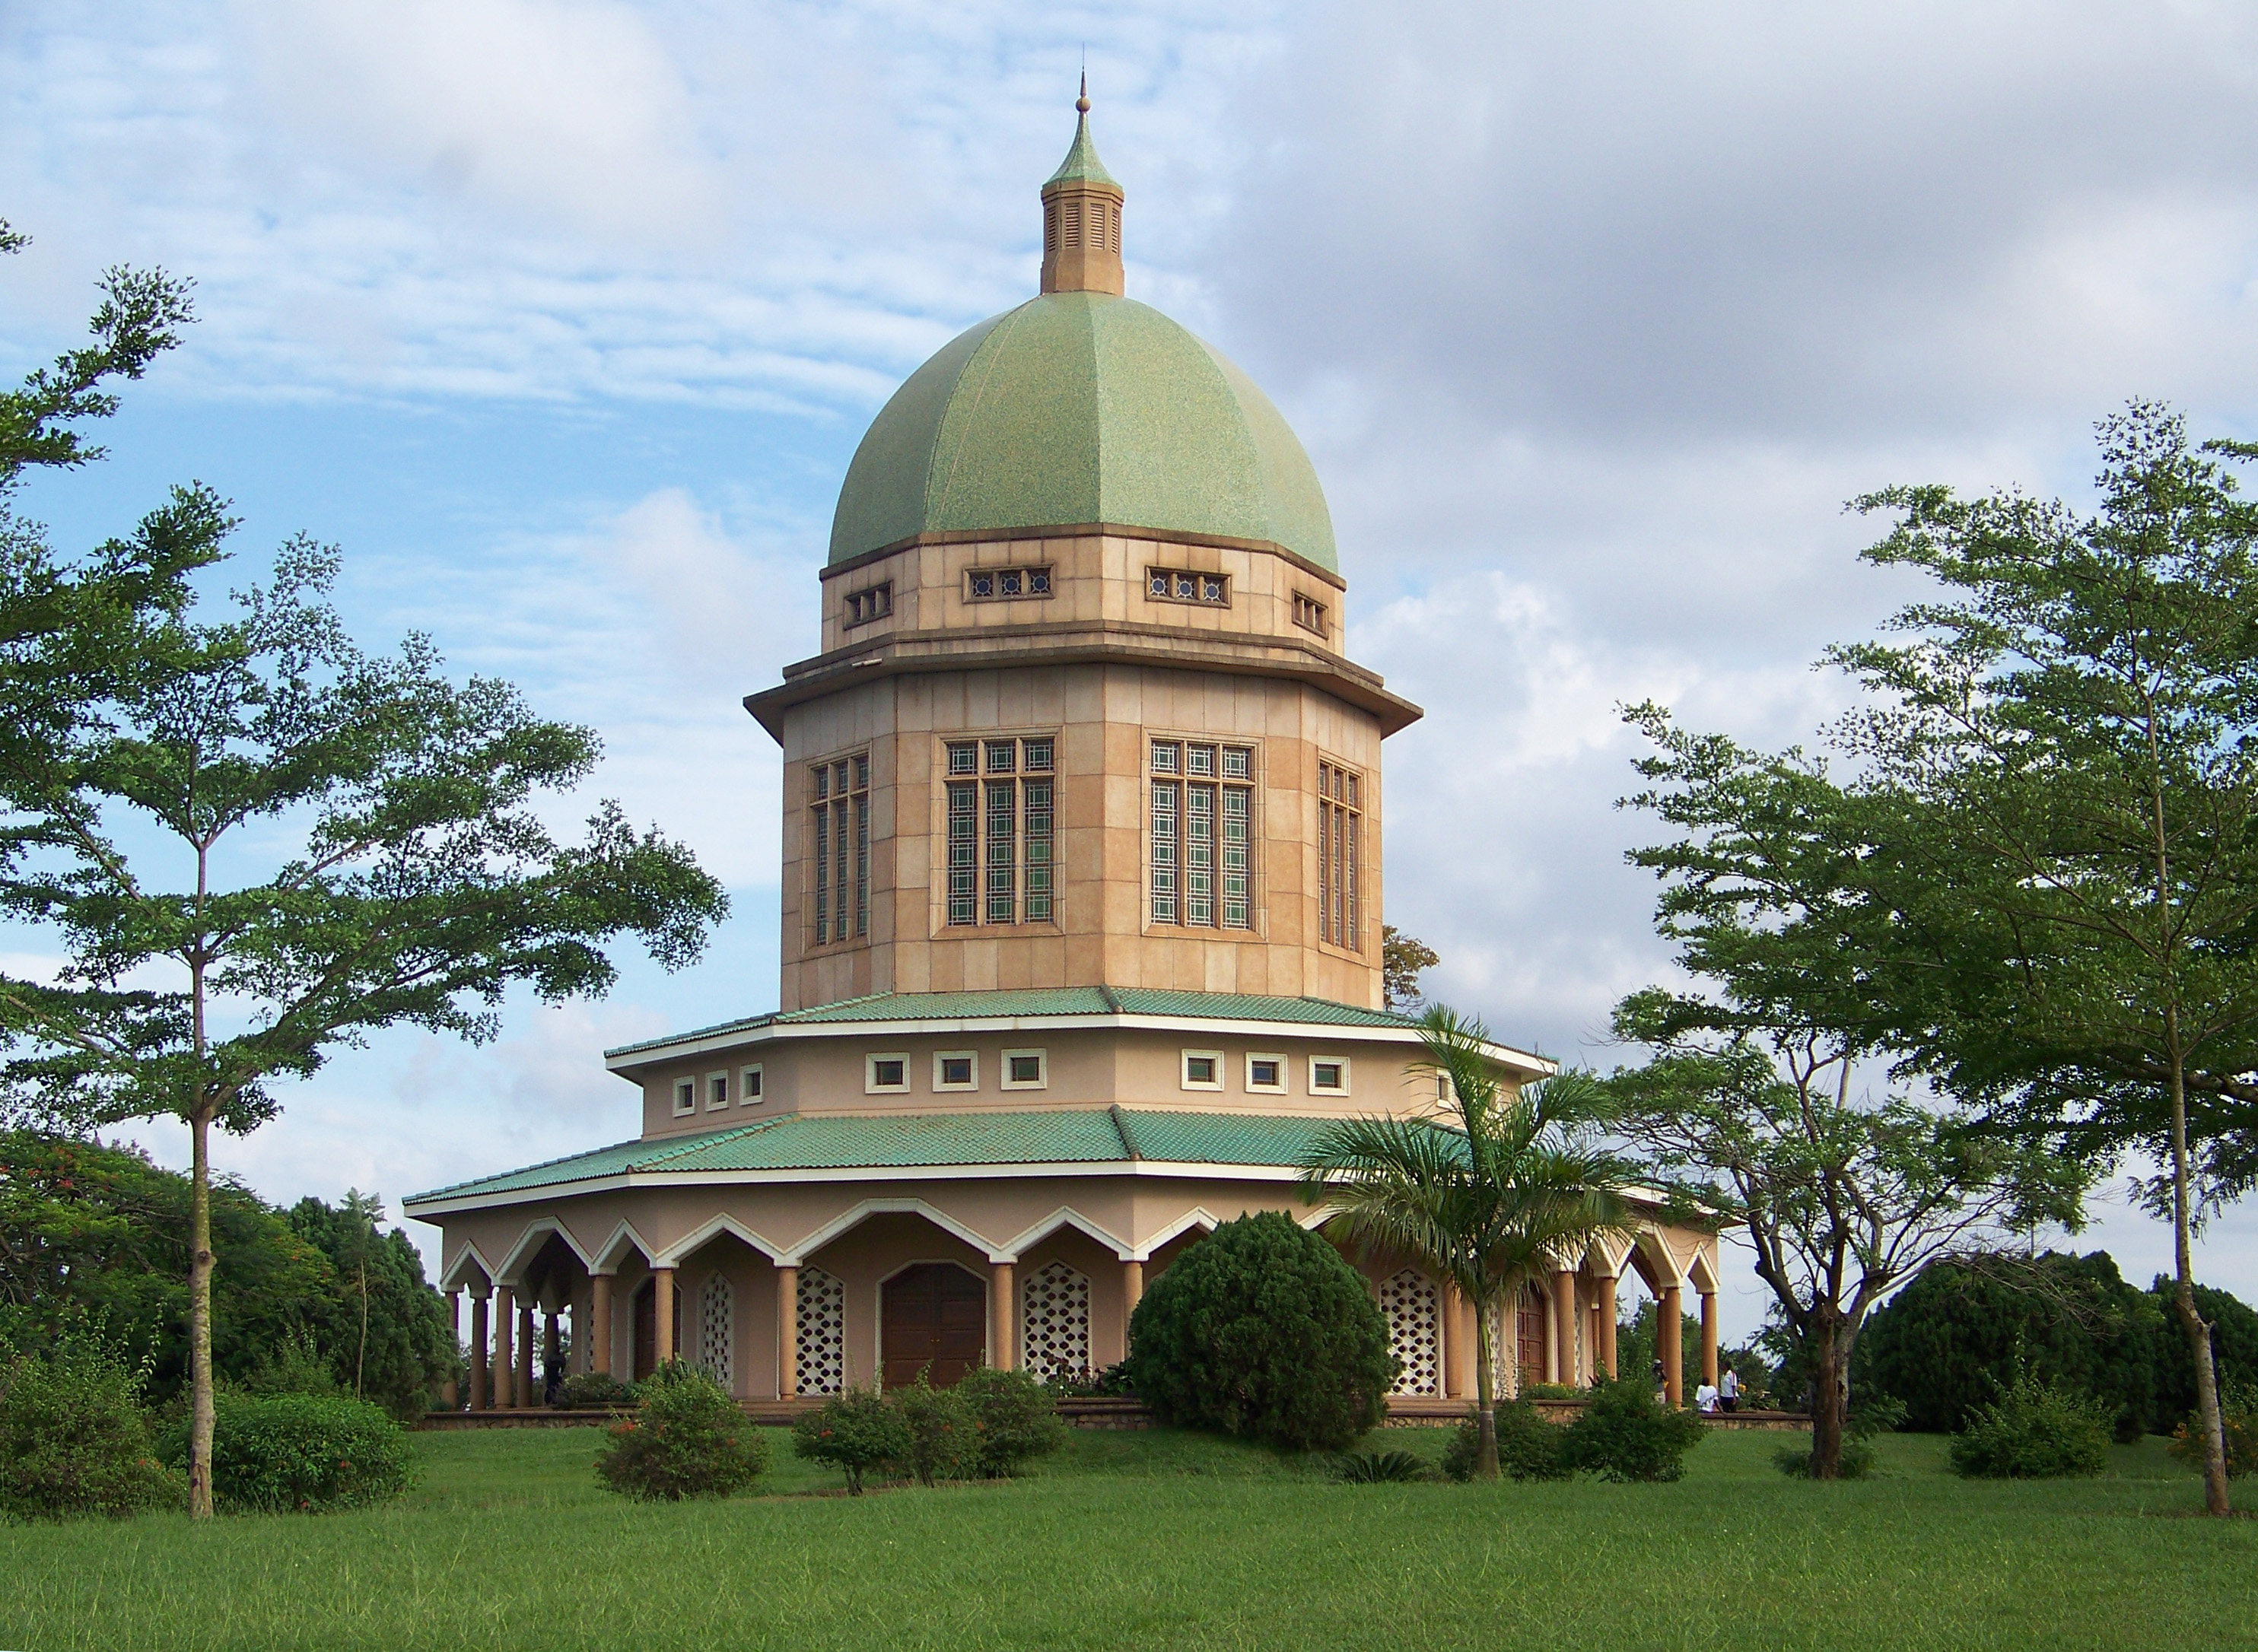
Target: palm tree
x=1493 y=1187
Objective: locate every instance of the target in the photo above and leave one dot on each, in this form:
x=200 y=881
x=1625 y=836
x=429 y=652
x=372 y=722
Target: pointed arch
x=528 y=1244
x=675 y=1254
x=1068 y=1217
x=456 y=1275
x=1199 y=1216
x=851 y=1219
x=614 y=1250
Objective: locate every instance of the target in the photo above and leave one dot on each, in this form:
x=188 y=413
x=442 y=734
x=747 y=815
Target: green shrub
x=1857 y=1462
x=856 y=1432
x=2233 y=1350
x=1527 y=1445
x=1626 y=1433
x=1017 y=1418
x=1378 y=1468
x=74 y=1439
x=944 y=1435
x=2035 y=1431
x=275 y=1453
x=2237 y=1417
x=595 y=1390
x=1262 y=1330
x=690 y=1439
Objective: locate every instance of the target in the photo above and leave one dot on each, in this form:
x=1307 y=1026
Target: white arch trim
x=1703 y=1272
x=869 y=1207
x=1199 y=1217
x=1660 y=1257
x=456 y=1276
x=1067 y=1216
x=536 y=1233
x=614 y=1250
x=1318 y=1217
x=1608 y=1254
x=675 y=1254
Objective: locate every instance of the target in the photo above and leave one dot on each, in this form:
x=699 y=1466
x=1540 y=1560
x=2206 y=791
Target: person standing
x=1729 y=1390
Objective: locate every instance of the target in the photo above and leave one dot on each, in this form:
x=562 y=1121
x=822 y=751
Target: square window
x=1035 y=756
x=1039 y=582
x=1202 y=1070
x=1187 y=587
x=749 y=1087
x=883 y=1073
x=1237 y=763
x=1002 y=755
x=955 y=1070
x=686 y=1096
x=717 y=1091
x=1010 y=583
x=1157 y=583
x=964 y=758
x=1025 y=1070
x=1167 y=757
x=1199 y=760
x=1328 y=1076
x=1210 y=588
x=983 y=585
x=1267 y=1075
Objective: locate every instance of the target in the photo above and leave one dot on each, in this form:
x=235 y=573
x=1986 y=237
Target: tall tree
x=1403 y=959
x=256 y=843
x=2076 y=718
x=1800 y=938
x=1499 y=1186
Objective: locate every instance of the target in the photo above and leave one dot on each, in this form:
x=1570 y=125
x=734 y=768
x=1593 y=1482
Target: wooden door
x=646 y=1331
x=934 y=1319
x=1529 y=1324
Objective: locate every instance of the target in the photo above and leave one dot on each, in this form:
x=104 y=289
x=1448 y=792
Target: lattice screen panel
x=1056 y=1331
x=717 y=1328
x=822 y=1366
x=1413 y=1314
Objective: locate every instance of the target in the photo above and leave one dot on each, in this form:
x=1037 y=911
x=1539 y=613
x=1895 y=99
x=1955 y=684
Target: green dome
x=1080 y=408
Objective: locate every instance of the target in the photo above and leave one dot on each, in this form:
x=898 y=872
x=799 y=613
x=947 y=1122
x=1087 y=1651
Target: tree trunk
x=1485 y=1396
x=1830 y=1401
x=200 y=1278
x=2198 y=1330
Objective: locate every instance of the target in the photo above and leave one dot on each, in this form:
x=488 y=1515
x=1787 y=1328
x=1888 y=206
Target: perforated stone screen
x=1055 y=1330
x=717 y=1329
x=1413 y=1308
x=822 y=1364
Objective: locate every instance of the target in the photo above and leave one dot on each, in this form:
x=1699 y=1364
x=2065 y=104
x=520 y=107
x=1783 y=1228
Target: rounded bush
x=594 y=1391
x=1527 y=1445
x=74 y=1439
x=284 y=1452
x=1627 y=1433
x=690 y=1439
x=1017 y=1416
x=2035 y=1431
x=1261 y=1330
x=856 y=1432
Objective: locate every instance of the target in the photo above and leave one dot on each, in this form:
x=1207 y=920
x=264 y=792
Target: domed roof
x=1080 y=408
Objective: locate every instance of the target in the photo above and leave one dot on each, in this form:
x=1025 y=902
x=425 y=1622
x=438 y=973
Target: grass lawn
x=1167 y=1540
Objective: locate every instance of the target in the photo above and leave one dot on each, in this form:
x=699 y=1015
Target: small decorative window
x=1328 y=1075
x=1309 y=614
x=1266 y=1074
x=717 y=1091
x=749 y=1087
x=1180 y=584
x=955 y=1070
x=1202 y=1070
x=875 y=603
x=1007 y=585
x=686 y=1096
x=885 y=1074
x=1025 y=1070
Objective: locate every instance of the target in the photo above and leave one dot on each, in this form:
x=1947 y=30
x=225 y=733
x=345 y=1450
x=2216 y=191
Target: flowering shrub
x=298 y=1453
x=856 y=1432
x=73 y=1440
x=1017 y=1417
x=689 y=1440
x=2237 y=1417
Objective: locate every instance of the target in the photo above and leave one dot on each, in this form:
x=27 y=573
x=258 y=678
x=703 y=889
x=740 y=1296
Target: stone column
x=1709 y=1338
x=600 y=1333
x=1608 y=1309
x=548 y=1353
x=450 y=1395
x=1564 y=1319
x=479 y=1389
x=787 y=1332
x=1453 y=1365
x=524 y=1386
x=1669 y=1339
x=1133 y=1292
x=1006 y=1300
x=662 y=1303
x=505 y=1317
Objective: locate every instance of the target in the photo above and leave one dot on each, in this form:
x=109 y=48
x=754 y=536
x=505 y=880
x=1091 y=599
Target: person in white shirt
x=1729 y=1390
x=1705 y=1398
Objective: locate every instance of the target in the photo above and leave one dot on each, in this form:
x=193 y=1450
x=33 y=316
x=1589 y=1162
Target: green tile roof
x=1038 y=1002
x=1082 y=164
x=804 y=1141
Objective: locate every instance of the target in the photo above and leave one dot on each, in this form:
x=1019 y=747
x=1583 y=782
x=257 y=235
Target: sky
x=562 y=317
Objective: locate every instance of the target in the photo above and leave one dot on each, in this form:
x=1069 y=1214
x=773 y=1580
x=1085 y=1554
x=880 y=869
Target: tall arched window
x=822 y=1365
x=1413 y=1314
x=1055 y=1328
x=717 y=1323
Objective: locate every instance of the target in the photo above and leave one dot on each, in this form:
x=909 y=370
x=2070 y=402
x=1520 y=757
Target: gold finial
x=1082 y=102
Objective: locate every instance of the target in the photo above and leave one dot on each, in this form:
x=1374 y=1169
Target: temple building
x=1082 y=910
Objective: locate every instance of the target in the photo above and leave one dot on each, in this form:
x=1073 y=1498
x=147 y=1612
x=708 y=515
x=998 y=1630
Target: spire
x=1081 y=217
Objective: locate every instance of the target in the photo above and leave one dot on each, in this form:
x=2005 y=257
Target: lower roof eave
x=431 y=1210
